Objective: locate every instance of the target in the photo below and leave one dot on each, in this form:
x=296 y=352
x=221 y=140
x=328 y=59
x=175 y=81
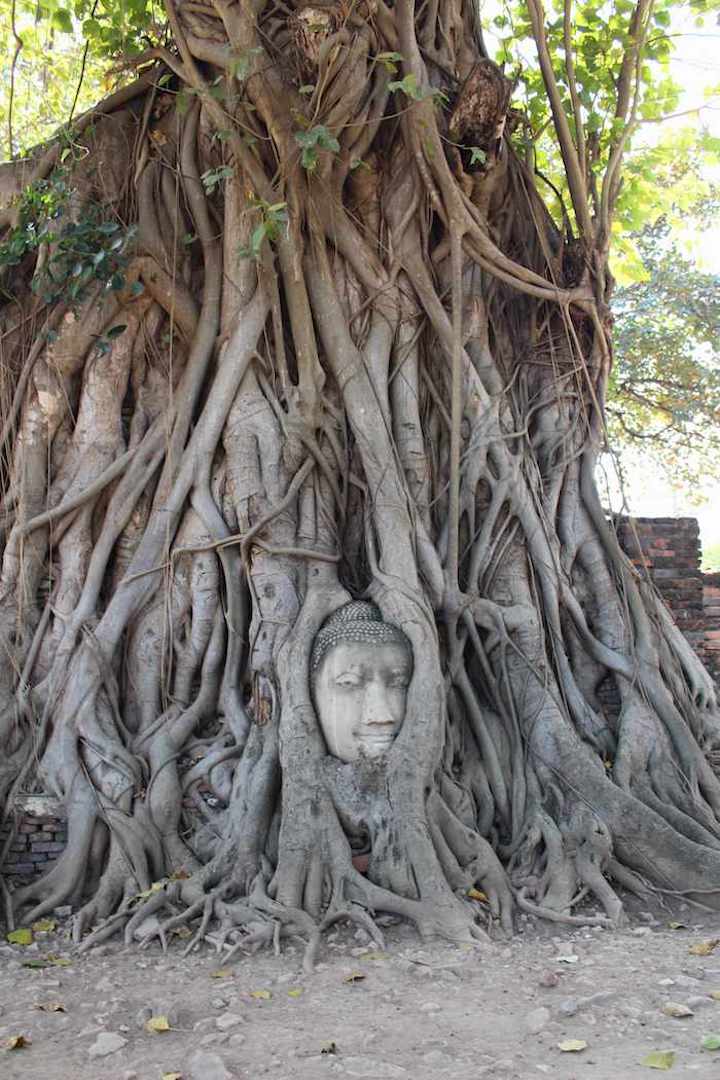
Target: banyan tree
x=300 y=370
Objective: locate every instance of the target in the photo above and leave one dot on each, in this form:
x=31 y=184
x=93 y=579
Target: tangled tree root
x=370 y=371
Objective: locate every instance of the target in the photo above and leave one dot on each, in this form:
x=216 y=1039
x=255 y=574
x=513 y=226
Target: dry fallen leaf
x=567 y=959
x=17 y=1042
x=477 y=894
x=44 y=926
x=677 y=926
x=715 y=995
x=374 y=956
x=572 y=1046
x=221 y=973
x=51 y=1006
x=23 y=936
x=261 y=995
x=172 y=1076
x=659 y=1059
x=295 y=992
x=676 y=1009
x=704 y=948
x=354 y=977
x=157 y=1024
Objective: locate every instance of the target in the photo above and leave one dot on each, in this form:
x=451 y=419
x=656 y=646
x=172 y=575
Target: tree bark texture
x=358 y=360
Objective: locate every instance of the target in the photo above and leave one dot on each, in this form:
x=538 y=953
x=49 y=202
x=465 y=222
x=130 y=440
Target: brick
x=49 y=845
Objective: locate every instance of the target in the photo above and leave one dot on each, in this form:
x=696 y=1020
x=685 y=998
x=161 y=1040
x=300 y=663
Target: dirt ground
x=415 y=1011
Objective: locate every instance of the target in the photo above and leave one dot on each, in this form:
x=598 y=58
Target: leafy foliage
x=316 y=138
x=665 y=393
x=79 y=252
x=272 y=219
x=663 y=172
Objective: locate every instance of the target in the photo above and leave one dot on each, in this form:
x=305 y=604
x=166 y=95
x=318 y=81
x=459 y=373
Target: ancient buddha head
x=360 y=669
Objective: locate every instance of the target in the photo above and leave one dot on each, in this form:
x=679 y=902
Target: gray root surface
x=399 y=397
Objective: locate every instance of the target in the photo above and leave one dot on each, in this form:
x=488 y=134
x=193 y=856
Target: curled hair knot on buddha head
x=359 y=621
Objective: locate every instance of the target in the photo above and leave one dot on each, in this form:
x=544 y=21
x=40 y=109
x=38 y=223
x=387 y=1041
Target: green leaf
x=116 y=331
x=316 y=137
x=407 y=86
x=258 y=235
x=62 y=20
x=23 y=936
x=711 y=1042
x=390 y=61
x=659 y=1059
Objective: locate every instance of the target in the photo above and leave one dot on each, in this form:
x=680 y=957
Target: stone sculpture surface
x=360 y=669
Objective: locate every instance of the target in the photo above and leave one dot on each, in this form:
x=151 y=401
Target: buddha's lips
x=378 y=738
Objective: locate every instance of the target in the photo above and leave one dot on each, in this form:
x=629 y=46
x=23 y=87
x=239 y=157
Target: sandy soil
x=413 y=1012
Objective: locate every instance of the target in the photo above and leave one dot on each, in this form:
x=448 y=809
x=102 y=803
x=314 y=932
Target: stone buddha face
x=361 y=668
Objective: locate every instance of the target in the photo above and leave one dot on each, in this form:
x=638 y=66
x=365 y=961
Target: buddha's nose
x=376 y=711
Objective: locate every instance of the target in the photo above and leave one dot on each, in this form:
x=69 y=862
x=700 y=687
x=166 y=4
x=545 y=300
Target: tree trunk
x=302 y=331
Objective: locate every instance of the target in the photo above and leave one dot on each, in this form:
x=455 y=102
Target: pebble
x=143 y=1015
x=151 y=925
x=107 y=1042
x=207 y=1066
x=536 y=1020
x=568 y=1007
x=227 y=1021
x=213 y=1038
x=549 y=979
x=699 y=1001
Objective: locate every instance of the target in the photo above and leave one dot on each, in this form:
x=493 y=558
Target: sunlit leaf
x=704 y=948
x=157 y=1024
x=659 y=1059
x=23 y=936
x=44 y=926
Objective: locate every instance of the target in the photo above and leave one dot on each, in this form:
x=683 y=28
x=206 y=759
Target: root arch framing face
x=326 y=347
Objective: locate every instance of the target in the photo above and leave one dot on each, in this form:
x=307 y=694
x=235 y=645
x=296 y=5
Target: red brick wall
x=669 y=548
x=40 y=836
x=711 y=613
